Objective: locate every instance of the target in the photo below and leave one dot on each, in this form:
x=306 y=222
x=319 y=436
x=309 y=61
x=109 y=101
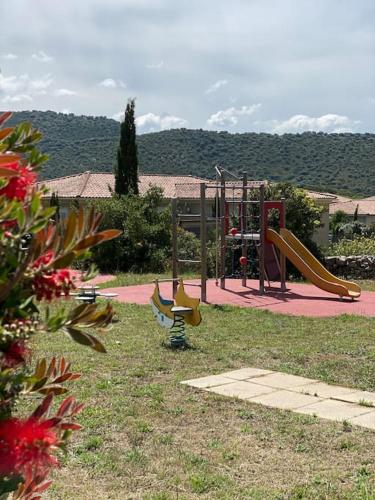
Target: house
x=87 y=186
x=324 y=201
x=365 y=209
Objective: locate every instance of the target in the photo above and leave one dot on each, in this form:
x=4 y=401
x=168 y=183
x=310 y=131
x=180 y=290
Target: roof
x=101 y=185
x=365 y=207
x=192 y=190
x=316 y=195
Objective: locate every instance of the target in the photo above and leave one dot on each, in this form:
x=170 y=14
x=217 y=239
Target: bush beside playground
x=358 y=246
x=352 y=258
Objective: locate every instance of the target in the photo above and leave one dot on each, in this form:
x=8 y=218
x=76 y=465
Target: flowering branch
x=35 y=256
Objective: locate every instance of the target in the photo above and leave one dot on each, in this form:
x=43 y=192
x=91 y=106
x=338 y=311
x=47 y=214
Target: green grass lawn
x=147 y=436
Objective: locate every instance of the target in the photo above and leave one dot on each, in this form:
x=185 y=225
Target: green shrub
x=145 y=244
x=357 y=246
x=189 y=248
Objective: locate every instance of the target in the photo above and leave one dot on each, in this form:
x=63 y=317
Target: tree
x=337 y=221
x=355 y=215
x=302 y=214
x=126 y=171
x=145 y=243
x=55 y=202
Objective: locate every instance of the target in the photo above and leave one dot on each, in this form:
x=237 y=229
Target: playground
x=271 y=396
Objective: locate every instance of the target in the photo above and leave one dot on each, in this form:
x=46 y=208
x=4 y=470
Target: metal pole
x=282 y=256
x=243 y=227
x=174 y=246
x=222 y=232
x=262 y=241
x=203 y=244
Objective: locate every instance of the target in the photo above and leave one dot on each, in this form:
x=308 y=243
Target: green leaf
x=56 y=390
x=64 y=261
x=49 y=212
x=38 y=226
x=38 y=385
x=86 y=339
x=71 y=227
x=21 y=217
x=35 y=204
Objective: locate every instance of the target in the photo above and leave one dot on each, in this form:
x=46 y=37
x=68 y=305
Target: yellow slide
x=309 y=266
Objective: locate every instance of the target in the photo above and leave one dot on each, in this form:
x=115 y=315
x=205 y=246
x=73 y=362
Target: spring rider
x=173 y=315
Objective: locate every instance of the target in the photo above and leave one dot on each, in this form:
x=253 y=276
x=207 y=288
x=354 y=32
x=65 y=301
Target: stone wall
x=354 y=266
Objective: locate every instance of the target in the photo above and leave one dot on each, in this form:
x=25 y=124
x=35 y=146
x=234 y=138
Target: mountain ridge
x=342 y=163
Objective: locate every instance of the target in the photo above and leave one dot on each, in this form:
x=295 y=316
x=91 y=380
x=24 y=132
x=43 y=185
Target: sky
x=275 y=66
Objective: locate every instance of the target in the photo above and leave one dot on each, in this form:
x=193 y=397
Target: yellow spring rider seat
x=174 y=314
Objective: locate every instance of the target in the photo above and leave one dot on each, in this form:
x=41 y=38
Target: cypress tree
x=55 y=202
x=355 y=215
x=126 y=171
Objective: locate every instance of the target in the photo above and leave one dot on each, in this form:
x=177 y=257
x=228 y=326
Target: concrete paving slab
x=241 y=389
x=359 y=396
x=283 y=380
x=285 y=400
x=334 y=410
x=290 y=392
x=246 y=373
x=210 y=381
x=322 y=390
x=367 y=420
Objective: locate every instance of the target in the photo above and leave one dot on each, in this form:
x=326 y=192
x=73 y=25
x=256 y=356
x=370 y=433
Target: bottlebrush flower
x=26 y=447
x=19 y=185
x=14 y=354
x=50 y=284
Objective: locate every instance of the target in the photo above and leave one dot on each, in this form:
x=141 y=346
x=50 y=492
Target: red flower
x=18 y=185
x=14 y=354
x=26 y=446
x=51 y=283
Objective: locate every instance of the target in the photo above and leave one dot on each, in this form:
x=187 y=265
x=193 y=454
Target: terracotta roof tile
x=316 y=195
x=100 y=185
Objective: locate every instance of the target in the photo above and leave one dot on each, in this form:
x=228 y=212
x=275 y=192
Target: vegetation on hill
x=328 y=162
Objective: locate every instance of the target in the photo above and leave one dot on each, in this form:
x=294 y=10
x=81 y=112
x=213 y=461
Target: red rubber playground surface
x=299 y=299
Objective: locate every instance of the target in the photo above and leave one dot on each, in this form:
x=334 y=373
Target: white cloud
x=118 y=116
x=12 y=83
x=42 y=57
x=158 y=65
x=12 y=87
x=154 y=123
x=216 y=86
x=16 y=98
x=40 y=85
x=110 y=83
x=324 y=123
x=64 y=93
x=229 y=117
x=10 y=57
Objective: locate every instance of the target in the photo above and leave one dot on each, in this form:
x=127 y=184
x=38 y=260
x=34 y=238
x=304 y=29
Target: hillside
x=329 y=162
